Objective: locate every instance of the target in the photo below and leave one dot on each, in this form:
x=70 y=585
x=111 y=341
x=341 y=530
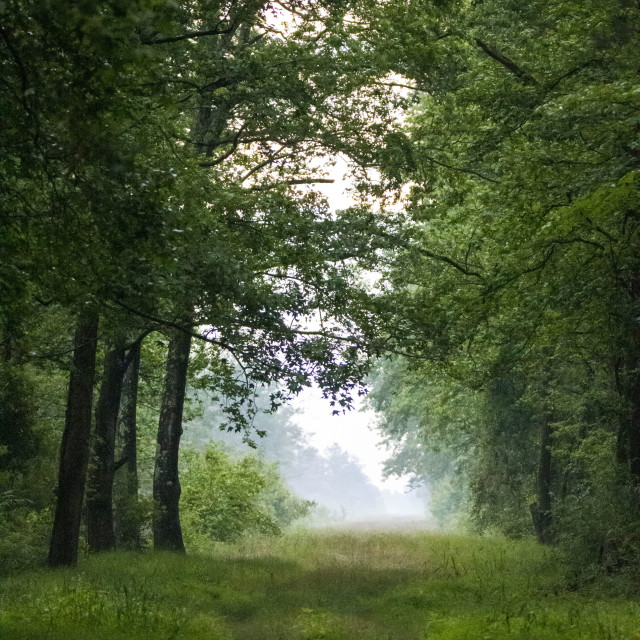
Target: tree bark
x=74 y=452
x=167 y=533
x=634 y=436
x=100 y=527
x=6 y=340
x=541 y=510
x=634 y=396
x=622 y=436
x=127 y=519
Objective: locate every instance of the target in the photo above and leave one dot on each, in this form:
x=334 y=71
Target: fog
x=336 y=461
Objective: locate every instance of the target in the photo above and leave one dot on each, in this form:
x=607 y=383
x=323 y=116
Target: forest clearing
x=336 y=585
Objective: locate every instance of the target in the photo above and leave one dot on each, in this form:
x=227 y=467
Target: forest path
x=320 y=585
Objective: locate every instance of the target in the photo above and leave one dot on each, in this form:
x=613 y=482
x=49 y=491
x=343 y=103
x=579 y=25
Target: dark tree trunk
x=6 y=341
x=627 y=378
x=634 y=437
x=100 y=529
x=127 y=519
x=74 y=452
x=622 y=439
x=167 y=533
x=541 y=510
x=634 y=393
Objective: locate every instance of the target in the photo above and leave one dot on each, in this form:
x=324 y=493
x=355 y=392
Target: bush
x=224 y=498
x=18 y=439
x=24 y=533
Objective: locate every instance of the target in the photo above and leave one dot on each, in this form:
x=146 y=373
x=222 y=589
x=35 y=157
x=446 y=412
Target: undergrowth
x=313 y=586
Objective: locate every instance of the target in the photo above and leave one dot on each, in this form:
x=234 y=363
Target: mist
x=347 y=489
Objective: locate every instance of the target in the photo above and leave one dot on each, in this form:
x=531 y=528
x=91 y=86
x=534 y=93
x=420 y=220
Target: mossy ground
x=312 y=586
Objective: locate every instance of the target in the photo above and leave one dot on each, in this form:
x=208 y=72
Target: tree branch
x=293 y=181
x=271 y=158
x=234 y=145
x=536 y=267
x=447 y=260
x=324 y=334
x=175 y=325
x=120 y=463
x=462 y=170
x=188 y=35
x=592 y=243
x=507 y=62
x=572 y=72
x=430 y=254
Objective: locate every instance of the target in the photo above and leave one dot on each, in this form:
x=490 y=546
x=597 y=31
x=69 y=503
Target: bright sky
x=351 y=431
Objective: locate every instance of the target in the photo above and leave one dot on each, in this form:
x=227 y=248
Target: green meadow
x=333 y=585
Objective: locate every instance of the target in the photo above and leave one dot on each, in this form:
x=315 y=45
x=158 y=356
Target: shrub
x=24 y=533
x=225 y=498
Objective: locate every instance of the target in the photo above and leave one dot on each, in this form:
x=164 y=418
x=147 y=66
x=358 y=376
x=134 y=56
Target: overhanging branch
x=293 y=181
x=403 y=244
x=509 y=64
x=472 y=172
x=175 y=325
x=189 y=35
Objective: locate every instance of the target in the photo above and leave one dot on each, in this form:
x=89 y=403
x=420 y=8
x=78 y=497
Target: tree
x=266 y=265
x=177 y=196
x=521 y=254
x=126 y=511
x=101 y=535
x=167 y=533
x=74 y=455
x=228 y=497
x=78 y=234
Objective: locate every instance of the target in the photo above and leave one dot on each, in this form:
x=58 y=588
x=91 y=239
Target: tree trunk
x=627 y=378
x=167 y=533
x=541 y=513
x=6 y=340
x=622 y=436
x=100 y=529
x=634 y=436
x=634 y=393
x=74 y=451
x=127 y=519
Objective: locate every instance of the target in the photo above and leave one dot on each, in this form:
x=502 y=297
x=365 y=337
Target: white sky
x=351 y=431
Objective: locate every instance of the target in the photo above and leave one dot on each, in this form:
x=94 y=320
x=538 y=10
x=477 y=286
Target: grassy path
x=329 y=585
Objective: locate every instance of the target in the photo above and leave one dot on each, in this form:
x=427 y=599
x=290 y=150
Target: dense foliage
x=224 y=499
x=515 y=301
x=154 y=170
x=160 y=226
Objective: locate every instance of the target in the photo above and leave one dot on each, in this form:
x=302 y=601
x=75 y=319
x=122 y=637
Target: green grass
x=313 y=586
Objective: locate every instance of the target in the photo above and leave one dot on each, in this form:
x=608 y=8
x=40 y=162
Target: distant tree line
x=334 y=480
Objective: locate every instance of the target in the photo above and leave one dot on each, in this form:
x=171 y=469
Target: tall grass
x=313 y=586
